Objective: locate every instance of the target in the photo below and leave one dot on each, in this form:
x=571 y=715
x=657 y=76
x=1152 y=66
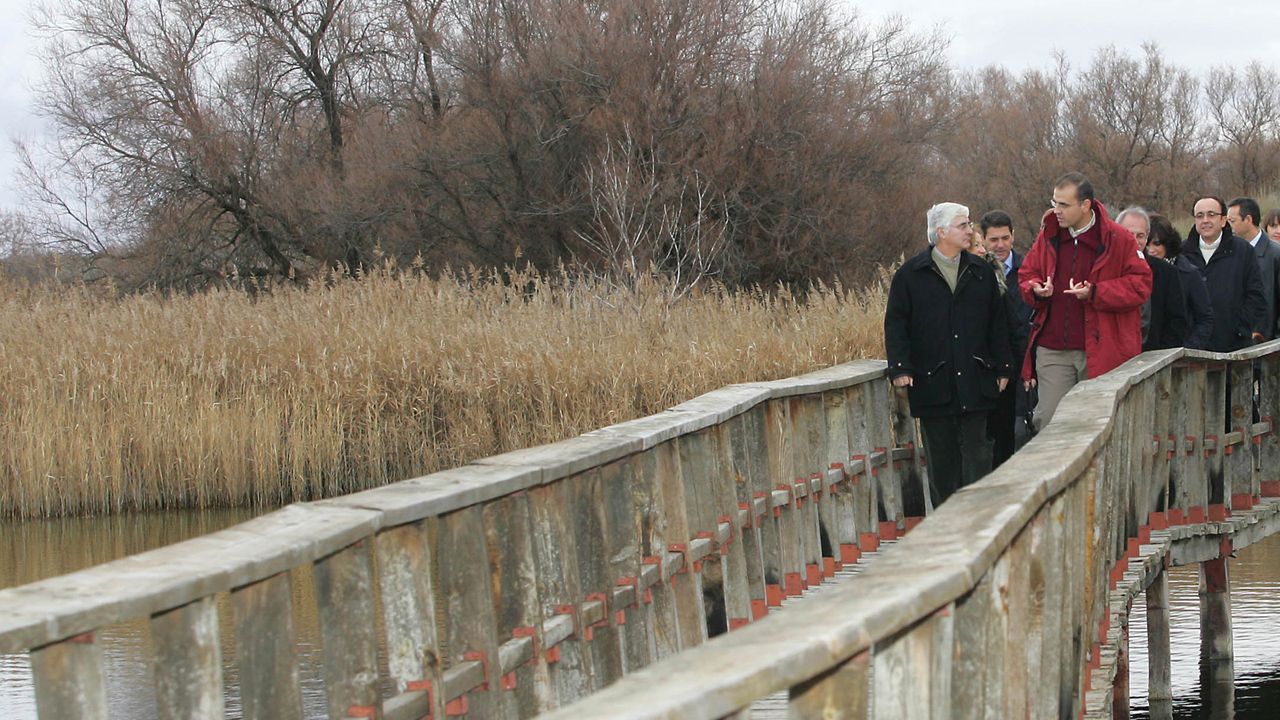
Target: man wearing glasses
x=946 y=339
x=1230 y=270
x=1086 y=282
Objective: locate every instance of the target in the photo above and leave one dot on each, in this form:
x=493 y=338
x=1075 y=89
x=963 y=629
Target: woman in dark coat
x=1165 y=242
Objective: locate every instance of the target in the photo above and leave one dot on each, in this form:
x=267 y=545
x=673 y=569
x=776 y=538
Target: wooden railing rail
x=1000 y=604
x=515 y=584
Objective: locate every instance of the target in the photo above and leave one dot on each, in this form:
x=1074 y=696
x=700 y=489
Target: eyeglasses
x=1063 y=205
x=1210 y=215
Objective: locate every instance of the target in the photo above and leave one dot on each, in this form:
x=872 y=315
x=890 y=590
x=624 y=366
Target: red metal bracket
x=683 y=549
x=589 y=635
x=724 y=546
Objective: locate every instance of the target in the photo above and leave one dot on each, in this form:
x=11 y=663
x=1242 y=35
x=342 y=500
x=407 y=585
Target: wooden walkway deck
x=775 y=706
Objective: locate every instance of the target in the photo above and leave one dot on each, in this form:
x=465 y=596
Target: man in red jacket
x=1086 y=282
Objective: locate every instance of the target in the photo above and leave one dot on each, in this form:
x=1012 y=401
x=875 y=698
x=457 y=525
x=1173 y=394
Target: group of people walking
x=987 y=342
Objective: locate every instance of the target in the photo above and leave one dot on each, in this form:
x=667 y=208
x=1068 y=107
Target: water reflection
x=1255 y=620
x=36 y=549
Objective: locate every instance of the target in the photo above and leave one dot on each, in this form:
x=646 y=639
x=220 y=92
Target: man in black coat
x=1164 y=315
x=1230 y=270
x=1007 y=425
x=1245 y=218
x=946 y=339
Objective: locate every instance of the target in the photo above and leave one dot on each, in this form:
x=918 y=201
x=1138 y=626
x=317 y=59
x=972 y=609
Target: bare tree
x=1245 y=108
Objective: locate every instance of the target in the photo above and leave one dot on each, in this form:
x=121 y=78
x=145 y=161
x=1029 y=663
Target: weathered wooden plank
x=861 y=409
x=586 y=503
x=263 y=614
x=1159 y=656
x=888 y=486
x=748 y=469
x=407 y=576
x=913 y=670
x=517 y=606
x=838 y=694
x=1054 y=633
x=624 y=507
x=467 y=596
x=1215 y=409
x=69 y=680
x=915 y=489
x=840 y=508
x=559 y=591
x=188 y=662
x=808 y=431
x=1240 y=483
x=1268 y=444
x=1017 y=608
x=1215 y=611
x=786 y=519
x=344 y=601
x=733 y=559
x=974 y=667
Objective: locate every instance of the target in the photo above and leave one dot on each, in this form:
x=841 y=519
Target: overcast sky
x=1013 y=33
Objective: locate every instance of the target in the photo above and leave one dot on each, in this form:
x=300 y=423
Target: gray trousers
x=1057 y=371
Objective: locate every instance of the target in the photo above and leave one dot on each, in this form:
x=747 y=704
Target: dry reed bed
x=226 y=400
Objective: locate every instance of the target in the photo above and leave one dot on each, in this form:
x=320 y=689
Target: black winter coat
x=1199 y=309
x=954 y=345
x=1167 y=326
x=1235 y=289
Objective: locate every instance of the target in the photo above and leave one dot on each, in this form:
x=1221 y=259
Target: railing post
x=467 y=595
x=1120 y=686
x=188 y=660
x=622 y=548
x=1240 y=484
x=1159 y=674
x=912 y=673
x=407 y=569
x=344 y=601
x=69 y=680
x=787 y=520
x=1215 y=611
x=517 y=605
x=265 y=653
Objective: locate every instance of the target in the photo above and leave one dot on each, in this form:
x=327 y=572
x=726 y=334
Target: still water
x=33 y=550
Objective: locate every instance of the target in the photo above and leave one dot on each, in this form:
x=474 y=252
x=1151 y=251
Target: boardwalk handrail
x=496 y=543
x=527 y=581
x=975 y=614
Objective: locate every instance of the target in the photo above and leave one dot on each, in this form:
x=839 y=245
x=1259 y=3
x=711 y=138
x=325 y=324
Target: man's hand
x=1044 y=289
x=902 y=381
x=1079 y=292
x=1002 y=383
x=1028 y=384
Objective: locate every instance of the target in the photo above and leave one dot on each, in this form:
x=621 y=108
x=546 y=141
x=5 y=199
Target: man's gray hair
x=1136 y=210
x=941 y=216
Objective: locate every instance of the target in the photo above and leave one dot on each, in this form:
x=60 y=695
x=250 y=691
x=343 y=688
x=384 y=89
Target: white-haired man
x=946 y=338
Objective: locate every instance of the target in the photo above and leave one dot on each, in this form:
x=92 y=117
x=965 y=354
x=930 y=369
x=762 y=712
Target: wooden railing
x=513 y=585
x=592 y=571
x=1001 y=604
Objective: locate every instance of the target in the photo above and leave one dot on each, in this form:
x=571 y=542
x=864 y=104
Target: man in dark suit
x=1245 y=218
x=1164 y=314
x=1007 y=425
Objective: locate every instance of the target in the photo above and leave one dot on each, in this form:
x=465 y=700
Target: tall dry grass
x=224 y=399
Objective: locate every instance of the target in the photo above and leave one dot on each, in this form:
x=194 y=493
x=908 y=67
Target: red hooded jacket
x=1121 y=282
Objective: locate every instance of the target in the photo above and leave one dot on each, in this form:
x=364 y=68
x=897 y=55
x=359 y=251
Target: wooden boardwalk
x=578 y=579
